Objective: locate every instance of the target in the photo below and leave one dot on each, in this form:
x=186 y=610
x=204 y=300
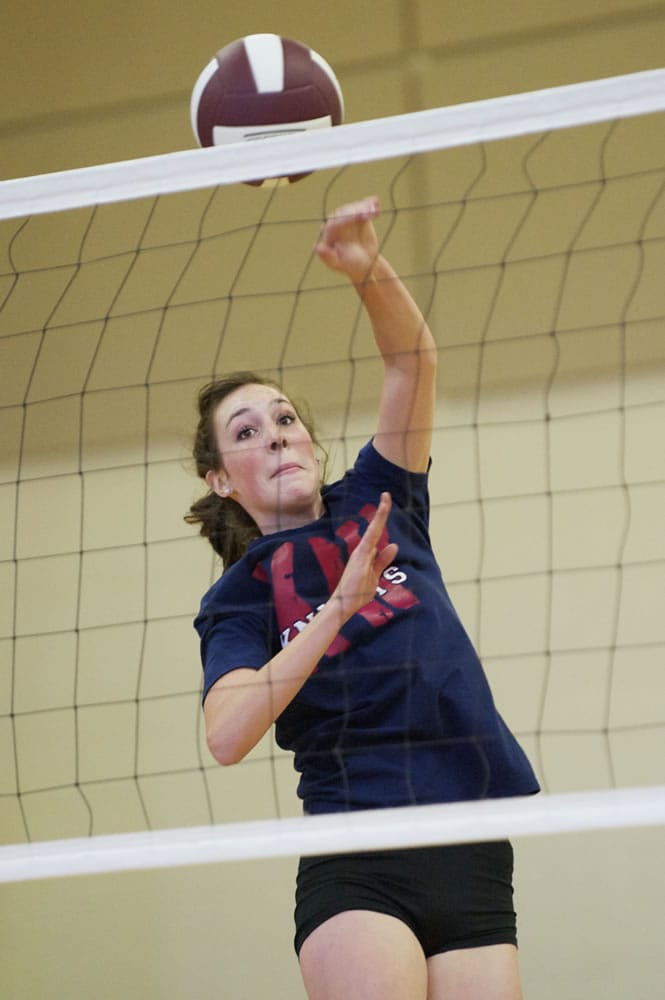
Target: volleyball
x=261 y=86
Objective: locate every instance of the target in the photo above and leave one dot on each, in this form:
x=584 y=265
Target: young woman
x=332 y=621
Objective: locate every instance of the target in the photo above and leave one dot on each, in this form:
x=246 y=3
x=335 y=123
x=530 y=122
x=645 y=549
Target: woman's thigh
x=485 y=973
x=363 y=955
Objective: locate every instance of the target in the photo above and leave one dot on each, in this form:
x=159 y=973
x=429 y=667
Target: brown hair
x=227 y=526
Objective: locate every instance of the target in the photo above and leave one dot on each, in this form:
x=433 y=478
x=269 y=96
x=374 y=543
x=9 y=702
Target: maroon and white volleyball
x=264 y=85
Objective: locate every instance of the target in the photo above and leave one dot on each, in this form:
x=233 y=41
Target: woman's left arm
x=348 y=244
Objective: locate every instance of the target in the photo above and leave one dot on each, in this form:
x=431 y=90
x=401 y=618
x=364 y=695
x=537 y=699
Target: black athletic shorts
x=456 y=896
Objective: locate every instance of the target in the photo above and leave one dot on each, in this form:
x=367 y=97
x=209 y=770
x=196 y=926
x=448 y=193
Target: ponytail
x=226 y=525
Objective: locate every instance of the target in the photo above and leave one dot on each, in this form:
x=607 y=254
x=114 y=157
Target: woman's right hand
x=358 y=583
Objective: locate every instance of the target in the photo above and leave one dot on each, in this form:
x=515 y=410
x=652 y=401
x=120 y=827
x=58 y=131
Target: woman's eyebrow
x=237 y=413
x=245 y=409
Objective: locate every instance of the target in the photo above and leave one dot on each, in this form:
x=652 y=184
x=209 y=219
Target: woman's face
x=268 y=462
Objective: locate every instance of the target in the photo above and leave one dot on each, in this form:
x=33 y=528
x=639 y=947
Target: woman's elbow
x=231 y=723
x=224 y=748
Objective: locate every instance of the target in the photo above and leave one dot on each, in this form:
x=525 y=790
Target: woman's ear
x=218 y=483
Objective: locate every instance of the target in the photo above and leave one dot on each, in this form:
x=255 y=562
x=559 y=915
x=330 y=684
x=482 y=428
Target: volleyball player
x=332 y=621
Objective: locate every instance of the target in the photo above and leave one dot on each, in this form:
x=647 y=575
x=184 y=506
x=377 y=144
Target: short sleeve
x=233 y=634
x=409 y=490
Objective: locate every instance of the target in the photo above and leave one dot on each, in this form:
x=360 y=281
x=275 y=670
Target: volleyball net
x=531 y=231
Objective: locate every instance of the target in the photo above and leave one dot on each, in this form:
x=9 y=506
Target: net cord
x=412 y=826
x=382 y=138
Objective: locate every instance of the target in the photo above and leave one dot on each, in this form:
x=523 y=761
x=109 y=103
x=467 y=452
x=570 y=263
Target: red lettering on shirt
x=293 y=612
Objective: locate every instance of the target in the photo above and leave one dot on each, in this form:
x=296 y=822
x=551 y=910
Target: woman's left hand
x=348 y=241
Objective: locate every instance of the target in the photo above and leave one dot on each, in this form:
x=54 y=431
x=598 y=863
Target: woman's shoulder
x=372 y=471
x=236 y=584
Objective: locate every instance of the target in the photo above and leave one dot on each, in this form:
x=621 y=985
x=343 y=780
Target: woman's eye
x=286 y=418
x=244 y=433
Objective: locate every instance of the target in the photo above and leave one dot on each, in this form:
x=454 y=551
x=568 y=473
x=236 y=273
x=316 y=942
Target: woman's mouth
x=285 y=469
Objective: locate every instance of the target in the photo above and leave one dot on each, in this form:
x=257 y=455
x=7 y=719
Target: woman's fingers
x=353 y=213
x=385 y=557
x=361 y=576
x=347 y=241
x=378 y=522
x=380 y=558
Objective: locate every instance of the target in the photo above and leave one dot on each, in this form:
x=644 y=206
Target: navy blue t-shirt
x=398 y=711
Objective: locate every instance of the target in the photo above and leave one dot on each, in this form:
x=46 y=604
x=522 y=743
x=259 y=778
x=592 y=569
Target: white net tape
x=410 y=826
x=440 y=128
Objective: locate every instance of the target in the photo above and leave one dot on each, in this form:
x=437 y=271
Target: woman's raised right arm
x=242 y=705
